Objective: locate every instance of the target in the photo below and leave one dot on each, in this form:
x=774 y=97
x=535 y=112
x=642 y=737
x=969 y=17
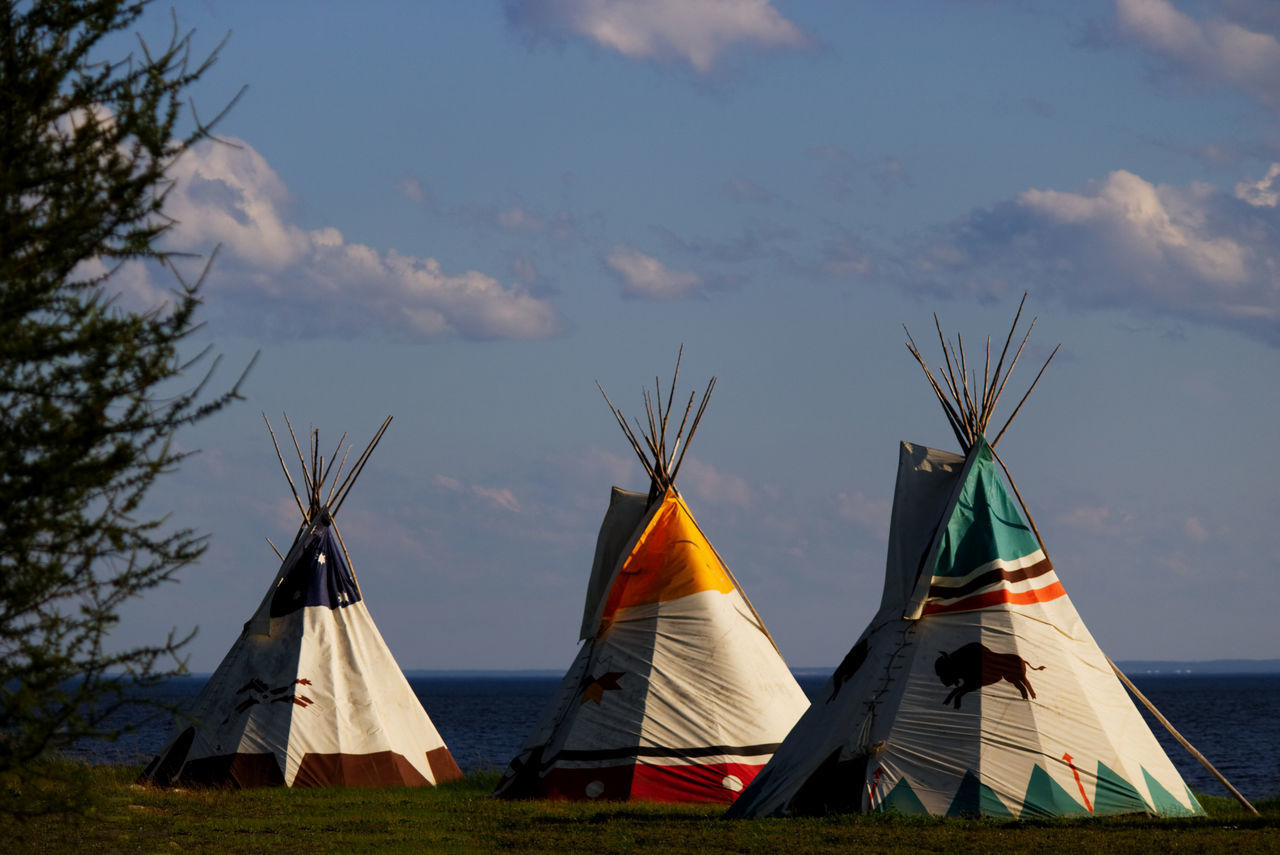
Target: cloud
x=134 y=284
x=871 y=514
x=1196 y=252
x=597 y=466
x=516 y=218
x=279 y=277
x=1194 y=530
x=698 y=32
x=1158 y=224
x=1264 y=193
x=709 y=484
x=646 y=277
x=844 y=256
x=498 y=497
x=413 y=190
x=1222 y=48
x=1091 y=519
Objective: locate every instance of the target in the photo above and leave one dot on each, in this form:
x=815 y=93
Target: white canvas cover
x=309 y=694
x=976 y=689
x=677 y=693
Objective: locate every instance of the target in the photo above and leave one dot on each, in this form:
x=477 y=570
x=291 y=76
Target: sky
x=466 y=214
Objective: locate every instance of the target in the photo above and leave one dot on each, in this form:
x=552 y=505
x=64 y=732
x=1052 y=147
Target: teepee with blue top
x=976 y=690
x=309 y=694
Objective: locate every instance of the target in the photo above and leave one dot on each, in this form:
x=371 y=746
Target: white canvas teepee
x=309 y=694
x=976 y=689
x=678 y=693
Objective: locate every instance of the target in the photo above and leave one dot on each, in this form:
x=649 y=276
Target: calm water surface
x=1234 y=720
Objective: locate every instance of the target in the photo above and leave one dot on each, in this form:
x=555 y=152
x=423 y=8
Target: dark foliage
x=91 y=392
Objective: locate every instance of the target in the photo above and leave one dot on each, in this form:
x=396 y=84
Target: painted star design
x=607 y=682
x=320 y=560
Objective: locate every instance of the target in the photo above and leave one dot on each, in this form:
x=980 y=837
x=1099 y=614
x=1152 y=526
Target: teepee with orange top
x=678 y=692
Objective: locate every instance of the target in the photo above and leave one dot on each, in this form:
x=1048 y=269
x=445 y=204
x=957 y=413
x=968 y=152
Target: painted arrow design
x=874 y=790
x=1079 y=783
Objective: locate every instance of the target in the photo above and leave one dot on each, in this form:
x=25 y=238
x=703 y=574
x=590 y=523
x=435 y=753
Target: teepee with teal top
x=976 y=690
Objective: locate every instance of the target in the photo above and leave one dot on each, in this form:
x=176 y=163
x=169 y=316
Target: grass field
x=459 y=817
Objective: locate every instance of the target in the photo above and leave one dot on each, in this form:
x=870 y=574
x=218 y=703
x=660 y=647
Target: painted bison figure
x=975 y=665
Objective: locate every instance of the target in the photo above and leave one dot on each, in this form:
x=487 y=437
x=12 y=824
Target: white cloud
x=1194 y=530
x=707 y=483
x=1264 y=193
x=645 y=276
x=449 y=483
x=1088 y=518
x=284 y=511
x=844 y=256
x=871 y=514
x=698 y=32
x=1217 y=48
x=411 y=188
x=498 y=497
x=517 y=218
x=1195 y=252
x=281 y=277
x=597 y=466
x=132 y=282
x=1157 y=224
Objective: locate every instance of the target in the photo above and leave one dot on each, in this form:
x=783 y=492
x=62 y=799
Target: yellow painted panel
x=671 y=559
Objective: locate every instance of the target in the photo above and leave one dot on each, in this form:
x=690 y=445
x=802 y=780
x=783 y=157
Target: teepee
x=678 y=692
x=309 y=695
x=976 y=689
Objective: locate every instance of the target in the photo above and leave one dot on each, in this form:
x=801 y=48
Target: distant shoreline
x=1133 y=667
x=1208 y=666
x=1152 y=667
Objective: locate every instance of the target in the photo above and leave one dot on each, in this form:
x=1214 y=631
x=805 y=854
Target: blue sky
x=464 y=214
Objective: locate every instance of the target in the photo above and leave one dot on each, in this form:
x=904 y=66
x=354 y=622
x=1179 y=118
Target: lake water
x=1234 y=720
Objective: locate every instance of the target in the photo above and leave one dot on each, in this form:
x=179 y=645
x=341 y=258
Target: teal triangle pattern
x=975 y=798
x=1045 y=798
x=902 y=799
x=1166 y=804
x=1199 y=808
x=985 y=524
x=1116 y=795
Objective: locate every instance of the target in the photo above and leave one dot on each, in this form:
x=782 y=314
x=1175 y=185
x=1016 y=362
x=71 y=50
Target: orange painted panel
x=671 y=559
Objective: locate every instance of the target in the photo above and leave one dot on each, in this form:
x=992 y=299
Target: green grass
x=459 y=817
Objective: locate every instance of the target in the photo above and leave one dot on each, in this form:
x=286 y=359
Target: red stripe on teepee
x=710 y=782
x=715 y=783
x=995 y=598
